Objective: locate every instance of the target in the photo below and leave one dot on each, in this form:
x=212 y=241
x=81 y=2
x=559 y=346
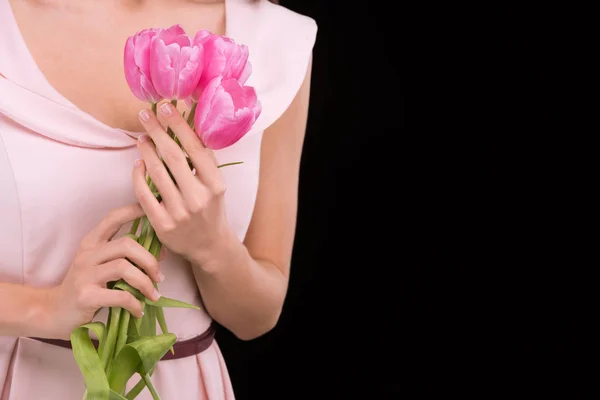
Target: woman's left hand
x=190 y=220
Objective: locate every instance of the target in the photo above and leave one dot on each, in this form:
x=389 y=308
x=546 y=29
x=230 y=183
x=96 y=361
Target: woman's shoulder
x=279 y=19
x=269 y=22
x=280 y=42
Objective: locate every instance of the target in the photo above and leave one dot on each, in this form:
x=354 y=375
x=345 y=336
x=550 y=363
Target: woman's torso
x=55 y=192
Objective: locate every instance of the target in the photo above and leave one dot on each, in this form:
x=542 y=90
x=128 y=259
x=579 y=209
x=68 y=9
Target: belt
x=185 y=348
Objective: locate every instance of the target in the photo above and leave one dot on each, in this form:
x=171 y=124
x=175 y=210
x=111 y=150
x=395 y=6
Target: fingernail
x=143 y=138
x=156 y=295
x=165 y=108
x=142 y=313
x=161 y=277
x=138 y=162
x=144 y=115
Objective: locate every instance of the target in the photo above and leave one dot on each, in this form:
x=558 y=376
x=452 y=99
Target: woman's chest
x=80 y=50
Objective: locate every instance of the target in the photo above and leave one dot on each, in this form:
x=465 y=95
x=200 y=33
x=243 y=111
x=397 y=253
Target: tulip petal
x=132 y=71
x=201 y=36
x=175 y=34
x=225 y=112
x=164 y=67
x=238 y=60
x=221 y=106
x=235 y=91
x=236 y=127
x=222 y=57
x=245 y=74
x=148 y=90
x=137 y=65
x=142 y=53
x=204 y=104
x=215 y=61
x=189 y=76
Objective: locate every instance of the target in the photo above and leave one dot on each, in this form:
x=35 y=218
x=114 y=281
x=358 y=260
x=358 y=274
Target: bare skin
x=243 y=284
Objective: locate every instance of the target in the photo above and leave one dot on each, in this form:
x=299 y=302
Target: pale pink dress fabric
x=61 y=171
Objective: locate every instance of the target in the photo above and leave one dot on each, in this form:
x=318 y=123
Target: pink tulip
x=137 y=65
x=222 y=57
x=225 y=112
x=175 y=63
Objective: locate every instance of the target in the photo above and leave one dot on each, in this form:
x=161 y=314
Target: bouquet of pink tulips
x=207 y=73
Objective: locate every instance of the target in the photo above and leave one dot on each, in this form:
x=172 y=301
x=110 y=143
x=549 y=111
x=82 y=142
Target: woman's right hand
x=100 y=260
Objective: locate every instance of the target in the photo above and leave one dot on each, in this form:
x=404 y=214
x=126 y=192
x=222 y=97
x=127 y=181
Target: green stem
x=154 y=105
x=155 y=247
x=135 y=225
x=144 y=232
x=149 y=237
x=190 y=119
x=169 y=130
x=136 y=390
x=123 y=330
x=228 y=164
x=148 y=383
x=153 y=188
x=111 y=337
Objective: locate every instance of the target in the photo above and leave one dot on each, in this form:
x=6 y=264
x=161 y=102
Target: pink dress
x=61 y=171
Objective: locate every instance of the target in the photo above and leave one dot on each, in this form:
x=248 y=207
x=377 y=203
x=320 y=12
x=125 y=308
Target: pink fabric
x=61 y=171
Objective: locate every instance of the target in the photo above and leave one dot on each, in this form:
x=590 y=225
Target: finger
x=167 y=148
x=212 y=156
x=111 y=224
x=201 y=157
x=159 y=174
x=163 y=253
x=123 y=269
x=156 y=213
x=126 y=247
x=173 y=155
x=161 y=119
x=119 y=298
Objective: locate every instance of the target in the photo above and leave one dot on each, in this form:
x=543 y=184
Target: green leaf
x=116 y=396
x=132 y=330
x=100 y=330
x=122 y=285
x=162 y=322
x=138 y=321
x=167 y=302
x=148 y=325
x=89 y=362
x=140 y=356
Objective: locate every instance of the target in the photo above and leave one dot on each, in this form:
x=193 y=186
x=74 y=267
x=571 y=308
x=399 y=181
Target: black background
x=480 y=287
x=338 y=335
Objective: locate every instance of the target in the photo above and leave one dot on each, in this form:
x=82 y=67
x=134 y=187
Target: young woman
x=70 y=135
